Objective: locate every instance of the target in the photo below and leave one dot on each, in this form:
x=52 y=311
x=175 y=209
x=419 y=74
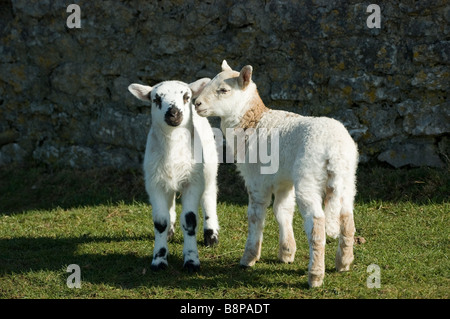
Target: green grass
x=100 y=221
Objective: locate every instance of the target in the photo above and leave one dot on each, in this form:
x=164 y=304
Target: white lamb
x=170 y=166
x=317 y=166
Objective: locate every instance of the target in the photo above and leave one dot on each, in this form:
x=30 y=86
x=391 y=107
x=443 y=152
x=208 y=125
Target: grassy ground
x=100 y=221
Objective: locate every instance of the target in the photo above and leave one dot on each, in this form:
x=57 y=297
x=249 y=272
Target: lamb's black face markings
x=173 y=116
x=157 y=101
x=191 y=223
x=161 y=227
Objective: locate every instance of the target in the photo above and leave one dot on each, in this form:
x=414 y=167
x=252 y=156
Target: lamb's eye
x=223 y=91
x=186 y=97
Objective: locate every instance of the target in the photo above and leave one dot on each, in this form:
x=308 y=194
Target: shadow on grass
x=38 y=188
x=23 y=255
x=22 y=190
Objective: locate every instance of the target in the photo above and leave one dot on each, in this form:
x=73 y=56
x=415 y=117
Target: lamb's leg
x=209 y=207
x=189 y=222
x=256 y=216
x=173 y=216
x=316 y=236
x=283 y=208
x=344 y=254
x=314 y=218
x=160 y=201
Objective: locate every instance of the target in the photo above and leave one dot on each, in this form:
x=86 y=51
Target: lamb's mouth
x=174 y=121
x=202 y=112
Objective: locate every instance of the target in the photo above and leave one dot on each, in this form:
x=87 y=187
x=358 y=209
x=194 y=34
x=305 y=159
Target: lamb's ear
x=225 y=66
x=198 y=86
x=245 y=77
x=140 y=91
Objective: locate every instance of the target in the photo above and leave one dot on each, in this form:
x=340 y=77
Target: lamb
x=171 y=165
x=317 y=166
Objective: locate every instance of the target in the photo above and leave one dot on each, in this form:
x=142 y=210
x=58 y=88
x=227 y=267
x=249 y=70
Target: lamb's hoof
x=343 y=264
x=244 y=267
x=286 y=256
x=210 y=238
x=342 y=268
x=191 y=267
x=158 y=267
x=315 y=281
x=248 y=261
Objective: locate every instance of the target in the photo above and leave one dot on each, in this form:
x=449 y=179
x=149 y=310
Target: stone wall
x=64 y=98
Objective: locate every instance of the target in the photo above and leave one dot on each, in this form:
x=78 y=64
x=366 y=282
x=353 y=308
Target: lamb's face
x=171 y=100
x=171 y=103
x=218 y=96
x=226 y=94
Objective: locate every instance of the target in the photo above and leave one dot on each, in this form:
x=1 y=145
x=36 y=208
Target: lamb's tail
x=332 y=206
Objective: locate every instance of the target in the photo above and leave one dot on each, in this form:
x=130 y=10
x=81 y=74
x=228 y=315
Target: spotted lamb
x=317 y=169
x=180 y=156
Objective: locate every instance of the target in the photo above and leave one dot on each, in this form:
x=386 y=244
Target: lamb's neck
x=178 y=137
x=229 y=122
x=253 y=112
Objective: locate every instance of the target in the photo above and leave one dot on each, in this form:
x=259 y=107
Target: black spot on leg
x=191 y=223
x=161 y=227
x=161 y=253
x=209 y=238
x=208 y=232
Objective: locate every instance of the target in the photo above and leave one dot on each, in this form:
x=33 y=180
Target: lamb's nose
x=197 y=104
x=174 y=111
